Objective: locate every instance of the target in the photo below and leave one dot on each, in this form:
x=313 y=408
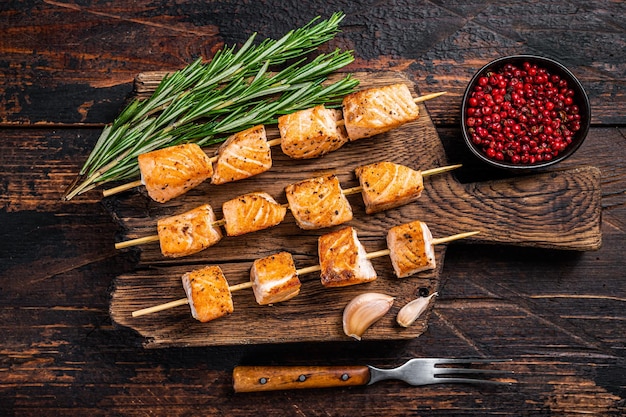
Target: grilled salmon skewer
x=315 y=203
x=410 y=246
x=311 y=133
x=320 y=202
x=170 y=172
x=274 y=279
x=197 y=229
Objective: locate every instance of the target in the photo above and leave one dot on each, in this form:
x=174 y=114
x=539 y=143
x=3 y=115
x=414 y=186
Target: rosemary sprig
x=204 y=102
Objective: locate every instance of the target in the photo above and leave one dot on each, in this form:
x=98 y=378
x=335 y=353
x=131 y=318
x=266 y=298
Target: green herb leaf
x=204 y=102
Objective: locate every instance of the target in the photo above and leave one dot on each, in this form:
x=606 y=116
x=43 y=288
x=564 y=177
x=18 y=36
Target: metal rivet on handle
x=302 y=378
x=345 y=377
x=263 y=381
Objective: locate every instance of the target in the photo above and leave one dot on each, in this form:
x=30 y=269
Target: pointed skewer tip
x=454 y=237
x=440 y=170
x=120 y=188
x=429 y=96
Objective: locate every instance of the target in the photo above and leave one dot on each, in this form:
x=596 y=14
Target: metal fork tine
x=444 y=361
x=426 y=371
x=452 y=371
x=470 y=381
x=440 y=372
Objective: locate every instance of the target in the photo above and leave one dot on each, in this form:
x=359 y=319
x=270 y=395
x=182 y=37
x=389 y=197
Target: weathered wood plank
x=67 y=63
x=79 y=70
x=60 y=354
x=37 y=165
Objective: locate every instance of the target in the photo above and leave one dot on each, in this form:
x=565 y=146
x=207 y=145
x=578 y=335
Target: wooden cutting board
x=559 y=209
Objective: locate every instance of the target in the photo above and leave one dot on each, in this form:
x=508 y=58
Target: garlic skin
x=363 y=311
x=412 y=310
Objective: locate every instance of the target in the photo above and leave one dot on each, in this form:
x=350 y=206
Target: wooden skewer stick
x=121 y=188
x=138 y=241
x=222 y=222
x=385 y=252
x=160 y=307
x=454 y=237
x=273 y=142
x=430 y=96
x=440 y=170
x=128 y=186
x=124 y=187
x=299 y=272
x=183 y=301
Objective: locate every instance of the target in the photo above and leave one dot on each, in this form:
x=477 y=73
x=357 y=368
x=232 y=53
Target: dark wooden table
x=67 y=67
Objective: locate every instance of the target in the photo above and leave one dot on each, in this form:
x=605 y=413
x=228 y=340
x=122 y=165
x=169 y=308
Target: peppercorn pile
x=522 y=115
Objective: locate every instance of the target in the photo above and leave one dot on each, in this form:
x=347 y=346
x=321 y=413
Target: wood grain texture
x=72 y=72
x=66 y=67
x=259 y=378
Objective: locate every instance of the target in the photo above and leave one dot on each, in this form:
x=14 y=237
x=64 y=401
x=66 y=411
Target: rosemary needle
x=204 y=102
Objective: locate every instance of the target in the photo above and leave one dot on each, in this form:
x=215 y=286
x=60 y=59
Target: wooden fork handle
x=271 y=378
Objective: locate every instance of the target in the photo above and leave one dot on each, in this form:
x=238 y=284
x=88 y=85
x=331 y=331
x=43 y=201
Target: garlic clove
x=412 y=310
x=363 y=311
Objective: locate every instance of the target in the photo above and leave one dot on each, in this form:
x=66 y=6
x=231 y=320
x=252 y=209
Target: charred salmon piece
x=343 y=259
x=318 y=202
x=411 y=248
x=311 y=133
x=187 y=233
x=387 y=185
x=170 y=172
x=377 y=110
x=243 y=155
x=208 y=293
x=274 y=279
x=251 y=212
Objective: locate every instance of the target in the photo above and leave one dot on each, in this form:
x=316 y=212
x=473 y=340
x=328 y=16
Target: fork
x=419 y=371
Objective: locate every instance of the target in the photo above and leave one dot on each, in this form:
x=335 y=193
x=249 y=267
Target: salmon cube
x=187 y=233
x=251 y=212
x=387 y=185
x=411 y=248
x=170 y=172
x=318 y=202
x=274 y=279
x=311 y=133
x=343 y=259
x=243 y=155
x=208 y=293
x=377 y=110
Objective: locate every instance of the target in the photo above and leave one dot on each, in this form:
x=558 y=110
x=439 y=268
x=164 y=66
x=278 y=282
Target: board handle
x=272 y=378
x=555 y=210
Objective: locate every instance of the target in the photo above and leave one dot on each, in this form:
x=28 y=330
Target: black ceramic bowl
x=580 y=99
